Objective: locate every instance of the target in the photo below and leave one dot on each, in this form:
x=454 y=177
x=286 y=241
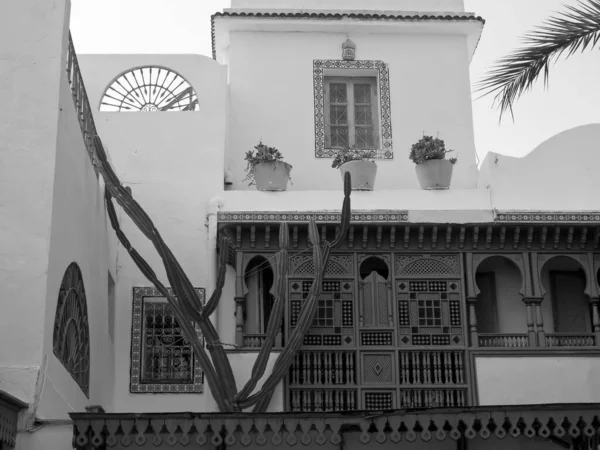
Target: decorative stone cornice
x=317 y=15
x=319 y=429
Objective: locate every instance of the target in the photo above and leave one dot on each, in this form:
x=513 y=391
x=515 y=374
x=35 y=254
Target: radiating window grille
x=71 y=337
x=150 y=89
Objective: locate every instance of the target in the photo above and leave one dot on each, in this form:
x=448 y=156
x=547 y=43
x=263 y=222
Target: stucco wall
x=173 y=162
x=271 y=98
x=32 y=43
x=78 y=234
x=537 y=379
x=391 y=5
x=537 y=181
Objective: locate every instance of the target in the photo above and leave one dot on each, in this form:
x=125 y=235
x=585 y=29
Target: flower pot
x=434 y=174
x=362 y=174
x=272 y=175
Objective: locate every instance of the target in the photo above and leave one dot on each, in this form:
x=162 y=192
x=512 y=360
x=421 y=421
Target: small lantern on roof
x=348 y=50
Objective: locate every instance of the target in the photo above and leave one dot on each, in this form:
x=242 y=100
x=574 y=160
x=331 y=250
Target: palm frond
x=571 y=31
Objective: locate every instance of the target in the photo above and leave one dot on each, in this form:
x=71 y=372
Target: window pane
x=362 y=93
x=338 y=115
x=363 y=137
x=339 y=136
x=363 y=115
x=338 y=93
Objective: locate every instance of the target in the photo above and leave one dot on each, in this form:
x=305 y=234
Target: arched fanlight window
x=151 y=89
x=71 y=339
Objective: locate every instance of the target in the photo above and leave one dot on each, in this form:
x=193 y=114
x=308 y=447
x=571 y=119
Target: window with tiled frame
x=162 y=360
x=352 y=107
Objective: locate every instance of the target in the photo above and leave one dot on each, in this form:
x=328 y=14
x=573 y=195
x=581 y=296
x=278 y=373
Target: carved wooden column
x=596 y=319
x=534 y=297
x=471 y=299
x=239 y=299
x=361 y=291
x=592 y=289
x=474 y=336
x=530 y=306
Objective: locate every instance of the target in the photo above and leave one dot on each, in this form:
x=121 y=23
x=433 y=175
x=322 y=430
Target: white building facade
x=459 y=318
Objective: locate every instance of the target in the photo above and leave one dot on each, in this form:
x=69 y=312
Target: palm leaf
x=569 y=32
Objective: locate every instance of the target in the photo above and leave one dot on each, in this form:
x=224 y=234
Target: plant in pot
x=265 y=168
x=360 y=165
x=434 y=171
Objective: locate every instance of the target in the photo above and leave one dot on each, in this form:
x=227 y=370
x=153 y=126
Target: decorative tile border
x=319 y=67
x=548 y=217
x=138 y=387
x=320 y=217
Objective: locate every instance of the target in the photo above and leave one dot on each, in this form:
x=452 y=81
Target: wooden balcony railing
x=570 y=340
x=81 y=102
x=325 y=400
x=432 y=398
x=504 y=340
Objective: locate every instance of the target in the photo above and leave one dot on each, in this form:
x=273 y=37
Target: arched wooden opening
x=499 y=307
x=566 y=307
x=375 y=301
x=259 y=300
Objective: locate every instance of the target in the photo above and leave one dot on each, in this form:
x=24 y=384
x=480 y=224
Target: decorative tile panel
x=162 y=361
x=374 y=216
x=548 y=216
x=319 y=68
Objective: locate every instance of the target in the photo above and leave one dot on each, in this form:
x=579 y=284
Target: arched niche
x=258 y=280
x=499 y=286
x=565 y=283
x=149 y=89
x=375 y=292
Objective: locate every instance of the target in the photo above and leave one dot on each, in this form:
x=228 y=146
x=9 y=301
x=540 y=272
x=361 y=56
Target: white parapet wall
x=523 y=380
x=390 y=5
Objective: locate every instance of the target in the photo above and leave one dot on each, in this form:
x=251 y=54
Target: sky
x=183 y=26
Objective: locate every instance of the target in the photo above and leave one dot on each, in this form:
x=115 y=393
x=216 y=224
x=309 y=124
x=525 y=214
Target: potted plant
x=266 y=169
x=356 y=161
x=434 y=171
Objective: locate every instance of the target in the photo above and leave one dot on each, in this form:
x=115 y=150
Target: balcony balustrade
x=495 y=340
x=570 y=340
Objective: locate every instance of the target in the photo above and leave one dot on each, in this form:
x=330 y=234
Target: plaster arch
x=565 y=284
x=579 y=260
x=175 y=83
x=514 y=260
x=259 y=280
x=375 y=263
x=499 y=286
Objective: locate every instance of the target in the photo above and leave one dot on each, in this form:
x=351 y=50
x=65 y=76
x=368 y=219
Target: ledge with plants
x=360 y=164
x=434 y=171
x=265 y=168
